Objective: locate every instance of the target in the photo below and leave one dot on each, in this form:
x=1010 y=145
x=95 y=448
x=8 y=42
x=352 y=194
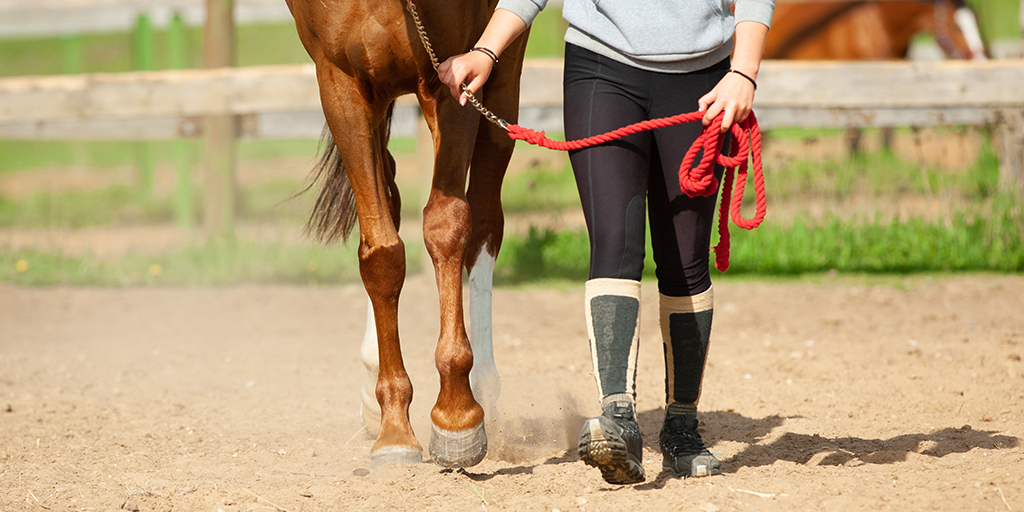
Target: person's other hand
x=733 y=95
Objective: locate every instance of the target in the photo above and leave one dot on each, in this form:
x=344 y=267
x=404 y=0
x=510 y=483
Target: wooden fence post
x=184 y=200
x=219 y=131
x=144 y=55
x=1010 y=133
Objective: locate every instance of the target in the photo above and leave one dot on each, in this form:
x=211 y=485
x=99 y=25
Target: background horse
x=879 y=30
x=367 y=53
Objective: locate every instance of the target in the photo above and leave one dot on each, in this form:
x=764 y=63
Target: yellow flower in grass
x=313 y=266
x=155 y=269
x=21 y=266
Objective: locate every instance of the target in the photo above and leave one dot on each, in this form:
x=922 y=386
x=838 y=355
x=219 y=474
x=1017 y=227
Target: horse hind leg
x=369 y=410
x=357 y=136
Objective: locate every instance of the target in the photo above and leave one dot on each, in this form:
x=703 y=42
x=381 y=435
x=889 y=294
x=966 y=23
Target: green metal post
x=144 y=61
x=71 y=46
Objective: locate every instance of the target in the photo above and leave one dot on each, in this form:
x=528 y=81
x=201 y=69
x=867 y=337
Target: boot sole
x=696 y=470
x=607 y=452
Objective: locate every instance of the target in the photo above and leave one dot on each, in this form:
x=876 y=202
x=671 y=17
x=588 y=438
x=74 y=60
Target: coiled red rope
x=699 y=180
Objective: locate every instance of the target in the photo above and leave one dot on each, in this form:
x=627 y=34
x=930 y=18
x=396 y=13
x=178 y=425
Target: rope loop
x=695 y=180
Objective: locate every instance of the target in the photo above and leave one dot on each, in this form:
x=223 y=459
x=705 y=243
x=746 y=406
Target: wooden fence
x=164 y=104
x=283 y=101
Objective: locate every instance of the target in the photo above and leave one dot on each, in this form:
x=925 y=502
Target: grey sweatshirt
x=676 y=36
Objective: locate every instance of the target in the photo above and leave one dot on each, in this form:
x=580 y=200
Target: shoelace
x=680 y=440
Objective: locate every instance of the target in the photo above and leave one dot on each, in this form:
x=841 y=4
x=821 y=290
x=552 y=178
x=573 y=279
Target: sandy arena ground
x=839 y=395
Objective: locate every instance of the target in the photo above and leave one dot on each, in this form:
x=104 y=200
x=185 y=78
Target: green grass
x=987 y=241
x=881 y=173
x=271 y=200
x=118 y=204
x=21 y=155
x=998 y=19
x=547 y=35
x=209 y=264
x=992 y=239
x=540 y=189
x=260 y=44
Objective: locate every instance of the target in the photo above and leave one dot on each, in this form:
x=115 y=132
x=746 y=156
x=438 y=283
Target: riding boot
x=686 y=333
x=613 y=325
x=611 y=442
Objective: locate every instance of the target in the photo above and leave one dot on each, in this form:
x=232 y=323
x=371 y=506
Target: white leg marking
x=370 y=410
x=964 y=18
x=483 y=378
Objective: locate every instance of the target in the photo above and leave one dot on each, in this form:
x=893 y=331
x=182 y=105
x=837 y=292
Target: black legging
x=616 y=179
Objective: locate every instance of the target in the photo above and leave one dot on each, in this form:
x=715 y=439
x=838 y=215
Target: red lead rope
x=699 y=180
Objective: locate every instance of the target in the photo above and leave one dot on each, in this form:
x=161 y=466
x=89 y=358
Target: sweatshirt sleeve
x=528 y=9
x=754 y=10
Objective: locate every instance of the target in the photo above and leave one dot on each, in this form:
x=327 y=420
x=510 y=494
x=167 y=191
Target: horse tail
x=334 y=213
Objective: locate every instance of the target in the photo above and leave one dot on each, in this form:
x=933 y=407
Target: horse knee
x=446 y=228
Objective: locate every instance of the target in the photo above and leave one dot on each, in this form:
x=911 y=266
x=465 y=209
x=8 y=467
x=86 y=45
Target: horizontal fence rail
x=39 y=18
x=167 y=104
x=283 y=101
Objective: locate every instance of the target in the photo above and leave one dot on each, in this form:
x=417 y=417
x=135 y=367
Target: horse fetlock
x=454 y=359
x=458 y=448
x=394 y=393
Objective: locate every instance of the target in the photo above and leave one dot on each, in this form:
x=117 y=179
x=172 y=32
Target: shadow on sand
x=814 y=450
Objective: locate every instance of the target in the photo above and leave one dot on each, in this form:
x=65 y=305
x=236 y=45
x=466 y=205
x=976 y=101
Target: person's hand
x=733 y=95
x=472 y=68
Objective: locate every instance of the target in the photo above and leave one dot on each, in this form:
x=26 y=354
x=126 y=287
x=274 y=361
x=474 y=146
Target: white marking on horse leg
x=968 y=24
x=483 y=378
x=370 y=410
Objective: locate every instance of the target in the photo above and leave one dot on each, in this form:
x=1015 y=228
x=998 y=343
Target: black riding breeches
x=619 y=180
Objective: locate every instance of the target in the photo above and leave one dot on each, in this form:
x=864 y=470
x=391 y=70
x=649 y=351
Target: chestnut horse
x=367 y=53
x=870 y=30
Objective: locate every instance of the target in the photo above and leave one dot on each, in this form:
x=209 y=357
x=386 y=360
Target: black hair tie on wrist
x=487 y=52
x=744 y=75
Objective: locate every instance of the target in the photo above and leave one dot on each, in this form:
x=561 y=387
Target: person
x=625 y=62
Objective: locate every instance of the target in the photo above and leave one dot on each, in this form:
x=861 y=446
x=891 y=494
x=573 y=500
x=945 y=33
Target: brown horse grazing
x=870 y=30
x=367 y=53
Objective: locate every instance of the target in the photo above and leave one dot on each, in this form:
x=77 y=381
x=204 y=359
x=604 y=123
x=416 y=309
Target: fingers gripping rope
x=699 y=180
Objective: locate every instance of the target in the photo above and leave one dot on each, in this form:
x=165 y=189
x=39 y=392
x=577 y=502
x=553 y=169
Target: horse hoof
x=395 y=455
x=463 y=448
